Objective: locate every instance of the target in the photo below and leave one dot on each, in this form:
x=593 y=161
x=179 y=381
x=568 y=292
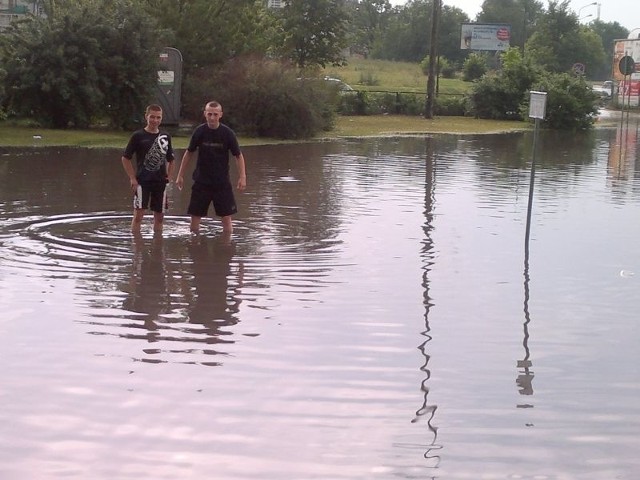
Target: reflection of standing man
x=214 y=304
x=148 y=291
x=213 y=140
x=154 y=159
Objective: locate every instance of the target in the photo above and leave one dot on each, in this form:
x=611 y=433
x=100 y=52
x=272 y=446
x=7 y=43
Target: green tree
x=407 y=35
x=210 y=32
x=522 y=15
x=368 y=19
x=451 y=20
x=88 y=61
x=314 y=33
x=608 y=32
x=560 y=41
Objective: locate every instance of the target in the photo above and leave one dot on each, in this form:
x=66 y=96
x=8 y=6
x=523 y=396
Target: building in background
x=11 y=10
x=626 y=74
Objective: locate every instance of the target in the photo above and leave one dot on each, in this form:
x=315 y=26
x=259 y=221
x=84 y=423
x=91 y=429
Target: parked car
x=605 y=90
x=342 y=86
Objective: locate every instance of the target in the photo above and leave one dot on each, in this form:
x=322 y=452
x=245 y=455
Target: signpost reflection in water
x=362 y=321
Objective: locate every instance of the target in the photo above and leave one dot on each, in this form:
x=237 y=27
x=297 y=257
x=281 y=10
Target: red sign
x=502 y=34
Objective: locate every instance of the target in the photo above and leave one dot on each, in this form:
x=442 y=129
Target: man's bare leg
x=158 y=218
x=227 y=225
x=195 y=224
x=136 y=221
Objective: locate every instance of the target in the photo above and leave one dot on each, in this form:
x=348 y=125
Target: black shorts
x=153 y=197
x=224 y=203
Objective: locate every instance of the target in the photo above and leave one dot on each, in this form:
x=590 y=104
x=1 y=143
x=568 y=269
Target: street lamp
x=588 y=5
x=586 y=16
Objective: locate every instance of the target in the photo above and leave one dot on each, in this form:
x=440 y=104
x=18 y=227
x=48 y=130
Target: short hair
x=213 y=104
x=152 y=108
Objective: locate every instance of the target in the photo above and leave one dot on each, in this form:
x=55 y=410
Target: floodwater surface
x=376 y=314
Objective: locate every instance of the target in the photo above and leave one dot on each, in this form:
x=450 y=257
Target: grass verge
x=352 y=126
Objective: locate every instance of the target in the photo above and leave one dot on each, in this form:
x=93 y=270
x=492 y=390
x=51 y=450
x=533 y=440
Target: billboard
x=485 y=36
x=628 y=85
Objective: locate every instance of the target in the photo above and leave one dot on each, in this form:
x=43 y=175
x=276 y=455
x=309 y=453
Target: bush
x=447 y=68
x=451 y=106
x=474 y=67
x=264 y=98
x=571 y=102
x=500 y=95
x=444 y=67
x=81 y=65
x=376 y=103
x=354 y=103
x=399 y=103
x=493 y=97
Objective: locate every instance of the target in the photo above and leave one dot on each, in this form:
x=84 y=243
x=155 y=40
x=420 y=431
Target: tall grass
x=386 y=75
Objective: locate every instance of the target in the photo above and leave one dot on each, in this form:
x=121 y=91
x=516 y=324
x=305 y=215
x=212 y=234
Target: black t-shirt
x=152 y=151
x=213 y=147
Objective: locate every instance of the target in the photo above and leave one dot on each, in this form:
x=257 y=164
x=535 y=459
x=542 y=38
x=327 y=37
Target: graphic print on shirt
x=157 y=154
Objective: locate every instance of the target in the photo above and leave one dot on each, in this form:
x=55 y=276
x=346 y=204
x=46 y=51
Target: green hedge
x=359 y=102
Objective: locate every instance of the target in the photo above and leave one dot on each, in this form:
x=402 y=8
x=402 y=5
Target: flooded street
x=376 y=314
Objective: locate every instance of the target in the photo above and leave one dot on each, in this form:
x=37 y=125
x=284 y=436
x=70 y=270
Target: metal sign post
x=537 y=109
x=627 y=67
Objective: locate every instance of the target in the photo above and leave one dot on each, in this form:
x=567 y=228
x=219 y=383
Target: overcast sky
x=625 y=12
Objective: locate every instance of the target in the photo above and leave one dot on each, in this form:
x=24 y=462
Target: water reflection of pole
x=426 y=410
x=624 y=124
x=525 y=377
x=627 y=87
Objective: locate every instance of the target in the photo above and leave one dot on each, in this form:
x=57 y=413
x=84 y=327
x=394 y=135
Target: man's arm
x=127 y=163
x=242 y=173
x=183 y=166
x=170 y=166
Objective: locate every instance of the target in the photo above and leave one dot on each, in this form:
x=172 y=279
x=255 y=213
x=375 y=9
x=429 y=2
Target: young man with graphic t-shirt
x=211 y=182
x=154 y=164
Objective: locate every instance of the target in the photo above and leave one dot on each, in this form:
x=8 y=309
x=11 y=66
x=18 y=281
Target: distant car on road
x=605 y=90
x=342 y=86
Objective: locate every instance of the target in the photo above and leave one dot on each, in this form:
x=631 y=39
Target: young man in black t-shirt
x=211 y=183
x=154 y=164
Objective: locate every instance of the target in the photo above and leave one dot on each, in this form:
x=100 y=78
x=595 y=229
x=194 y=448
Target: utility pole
x=433 y=58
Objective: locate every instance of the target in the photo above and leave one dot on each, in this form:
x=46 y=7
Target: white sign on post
x=537 y=104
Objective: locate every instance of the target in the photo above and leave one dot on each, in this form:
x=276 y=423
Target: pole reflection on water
x=525 y=376
x=428 y=410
